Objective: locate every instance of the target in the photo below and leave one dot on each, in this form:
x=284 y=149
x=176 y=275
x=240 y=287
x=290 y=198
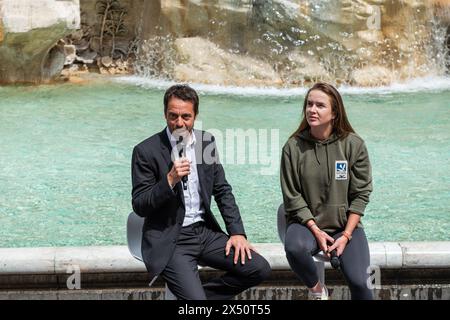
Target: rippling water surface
x=65 y=158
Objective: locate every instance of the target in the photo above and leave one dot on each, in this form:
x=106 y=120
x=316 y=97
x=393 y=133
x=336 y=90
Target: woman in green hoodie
x=326 y=181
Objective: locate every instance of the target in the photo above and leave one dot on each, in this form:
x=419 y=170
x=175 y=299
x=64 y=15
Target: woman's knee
x=297 y=242
x=295 y=249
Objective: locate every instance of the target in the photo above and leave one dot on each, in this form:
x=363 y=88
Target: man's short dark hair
x=183 y=92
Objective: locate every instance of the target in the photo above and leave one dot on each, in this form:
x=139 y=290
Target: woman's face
x=319 y=112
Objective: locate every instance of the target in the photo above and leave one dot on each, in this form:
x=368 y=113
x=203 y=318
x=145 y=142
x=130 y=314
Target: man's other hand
x=241 y=248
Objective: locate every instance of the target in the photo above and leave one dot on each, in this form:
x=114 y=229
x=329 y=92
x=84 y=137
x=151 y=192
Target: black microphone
x=182 y=153
x=335 y=263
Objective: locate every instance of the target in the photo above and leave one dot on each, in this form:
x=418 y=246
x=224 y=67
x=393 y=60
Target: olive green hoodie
x=325 y=180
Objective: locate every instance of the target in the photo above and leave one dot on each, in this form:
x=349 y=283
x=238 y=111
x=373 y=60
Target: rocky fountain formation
x=228 y=42
x=283 y=42
x=29 y=34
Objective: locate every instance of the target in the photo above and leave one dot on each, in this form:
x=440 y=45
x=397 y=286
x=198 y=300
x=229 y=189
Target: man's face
x=180 y=115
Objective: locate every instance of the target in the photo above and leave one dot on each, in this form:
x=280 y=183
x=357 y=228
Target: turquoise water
x=66 y=149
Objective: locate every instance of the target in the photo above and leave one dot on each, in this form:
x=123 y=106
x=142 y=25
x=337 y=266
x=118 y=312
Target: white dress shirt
x=192 y=200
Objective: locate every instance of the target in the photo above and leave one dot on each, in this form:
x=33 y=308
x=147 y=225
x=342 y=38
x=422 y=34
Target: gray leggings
x=301 y=245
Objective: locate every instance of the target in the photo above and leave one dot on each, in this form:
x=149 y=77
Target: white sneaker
x=320 y=295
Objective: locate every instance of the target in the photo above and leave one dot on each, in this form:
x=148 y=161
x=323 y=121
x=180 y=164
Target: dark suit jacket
x=163 y=208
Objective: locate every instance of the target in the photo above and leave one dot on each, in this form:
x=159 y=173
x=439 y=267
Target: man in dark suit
x=174 y=173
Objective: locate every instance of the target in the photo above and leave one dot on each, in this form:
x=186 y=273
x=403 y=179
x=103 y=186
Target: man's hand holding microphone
x=181 y=166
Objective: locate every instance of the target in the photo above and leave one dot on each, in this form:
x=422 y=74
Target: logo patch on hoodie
x=341 y=168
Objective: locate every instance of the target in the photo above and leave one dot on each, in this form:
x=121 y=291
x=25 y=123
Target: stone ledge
x=117 y=259
x=409 y=270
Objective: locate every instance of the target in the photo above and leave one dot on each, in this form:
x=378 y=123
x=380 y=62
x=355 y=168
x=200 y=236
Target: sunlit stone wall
x=29 y=31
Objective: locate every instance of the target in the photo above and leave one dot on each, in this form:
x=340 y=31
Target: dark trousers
x=301 y=245
x=199 y=245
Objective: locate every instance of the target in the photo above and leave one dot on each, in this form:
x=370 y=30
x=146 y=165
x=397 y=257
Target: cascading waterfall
x=286 y=43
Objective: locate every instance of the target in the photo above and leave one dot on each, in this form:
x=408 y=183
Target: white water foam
x=413 y=85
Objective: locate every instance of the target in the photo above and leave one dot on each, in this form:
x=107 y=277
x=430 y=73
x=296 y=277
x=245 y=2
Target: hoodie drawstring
x=328 y=165
x=328 y=161
x=306 y=135
x=315 y=152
